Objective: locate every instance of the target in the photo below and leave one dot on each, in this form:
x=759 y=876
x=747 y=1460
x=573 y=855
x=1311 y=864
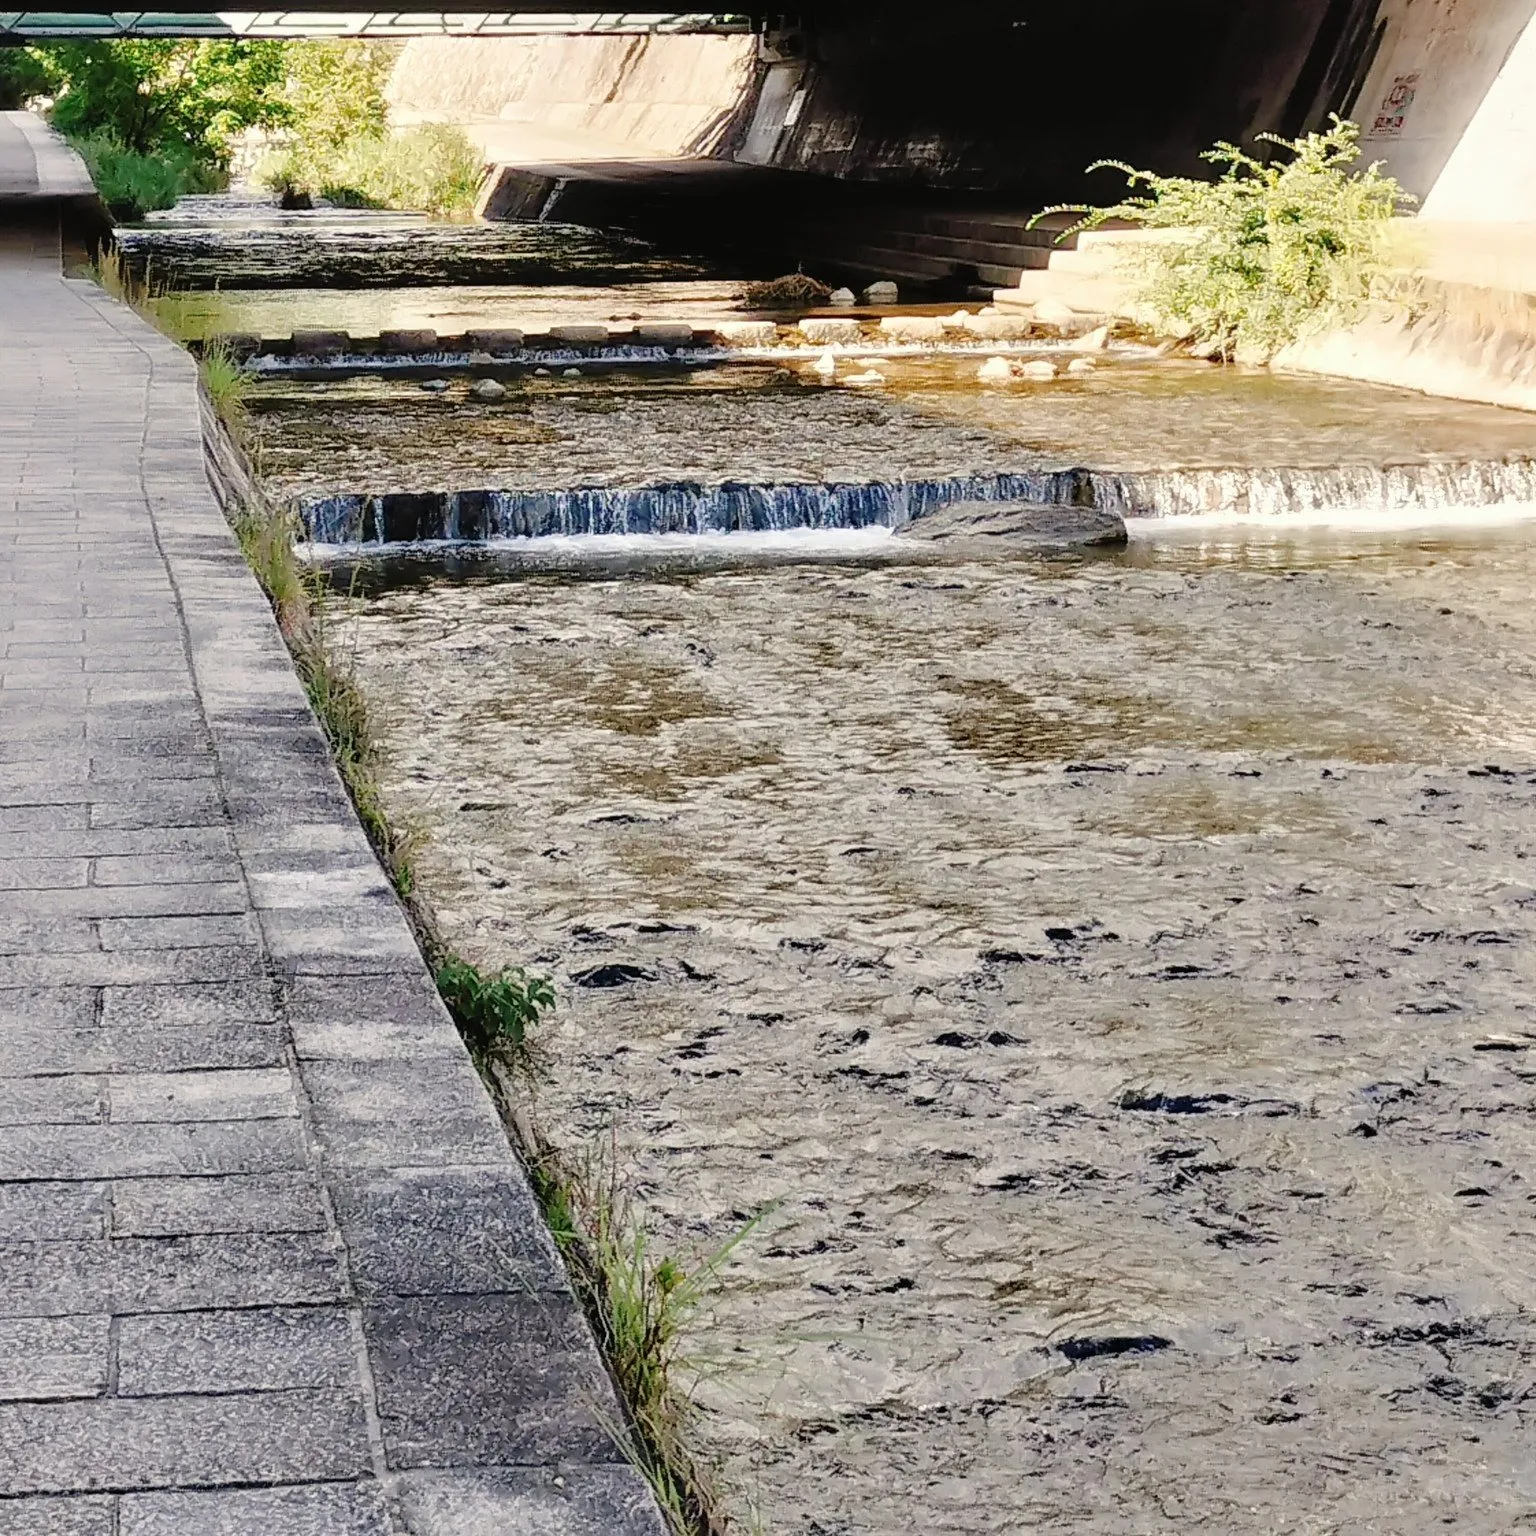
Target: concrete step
x=970 y=252
x=1091 y=295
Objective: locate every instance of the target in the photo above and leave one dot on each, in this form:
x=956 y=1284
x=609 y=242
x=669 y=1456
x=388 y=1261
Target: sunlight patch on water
x=1339 y=519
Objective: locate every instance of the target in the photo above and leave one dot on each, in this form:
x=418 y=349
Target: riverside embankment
x=1105 y=971
x=266 y=1260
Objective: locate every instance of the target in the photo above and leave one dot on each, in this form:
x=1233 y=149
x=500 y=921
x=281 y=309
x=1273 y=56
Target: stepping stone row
x=509 y=340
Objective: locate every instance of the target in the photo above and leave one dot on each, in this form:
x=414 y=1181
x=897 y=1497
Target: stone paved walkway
x=267 y=1267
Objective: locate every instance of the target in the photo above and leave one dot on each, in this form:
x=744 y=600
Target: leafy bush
x=165 y=96
x=1273 y=248
x=493 y=1010
x=430 y=169
x=132 y=182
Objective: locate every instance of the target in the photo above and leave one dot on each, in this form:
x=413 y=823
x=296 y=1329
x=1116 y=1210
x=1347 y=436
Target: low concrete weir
x=405 y=517
x=266 y=1261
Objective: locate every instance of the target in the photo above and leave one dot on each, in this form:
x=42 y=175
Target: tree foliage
x=158 y=94
x=1270 y=249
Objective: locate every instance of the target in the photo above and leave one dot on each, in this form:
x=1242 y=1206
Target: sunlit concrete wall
x=1450 y=105
x=663 y=95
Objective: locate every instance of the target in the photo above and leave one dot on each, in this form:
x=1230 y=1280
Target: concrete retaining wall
x=1447 y=105
x=664 y=95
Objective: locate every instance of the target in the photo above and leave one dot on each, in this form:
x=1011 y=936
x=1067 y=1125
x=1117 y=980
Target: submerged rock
x=1001 y=524
x=488 y=389
x=995 y=370
x=1039 y=369
x=435 y=386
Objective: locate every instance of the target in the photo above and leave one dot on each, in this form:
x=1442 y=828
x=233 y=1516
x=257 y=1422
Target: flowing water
x=1106 y=977
x=1112 y=976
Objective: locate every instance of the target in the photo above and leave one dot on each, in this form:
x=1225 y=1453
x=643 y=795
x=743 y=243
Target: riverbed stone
x=928 y=328
x=495 y=341
x=747 y=333
x=408 y=341
x=883 y=292
x=318 y=343
x=823 y=333
x=583 y=335
x=664 y=333
x=488 y=390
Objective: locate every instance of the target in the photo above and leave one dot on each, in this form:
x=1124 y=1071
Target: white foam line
x=1339 y=519
x=579 y=545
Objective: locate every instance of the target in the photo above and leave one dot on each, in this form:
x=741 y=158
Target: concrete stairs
x=1087 y=275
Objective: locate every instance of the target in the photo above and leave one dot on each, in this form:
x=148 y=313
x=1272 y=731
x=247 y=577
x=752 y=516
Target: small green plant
x=639 y=1302
x=227 y=383
x=1269 y=250
x=494 y=1012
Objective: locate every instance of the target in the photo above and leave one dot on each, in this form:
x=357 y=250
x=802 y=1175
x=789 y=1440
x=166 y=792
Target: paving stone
x=57 y=1279
x=250 y=1350
x=487 y=1380
x=77 y=1099
x=54 y=1007
x=93 y=1515
x=162 y=868
x=224 y=1095
x=168 y=1442
x=352 y=1018
x=434 y=1231
x=125 y=967
x=498 y=1501
x=430 y=1113
x=53 y=1357
x=102 y=901
x=54 y=1212
x=151 y=1048
x=123 y=1151
x=194 y=1004
x=270 y=1202
x=316 y=1509
x=204 y=931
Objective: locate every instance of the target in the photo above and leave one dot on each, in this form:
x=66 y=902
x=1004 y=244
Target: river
x=1107 y=976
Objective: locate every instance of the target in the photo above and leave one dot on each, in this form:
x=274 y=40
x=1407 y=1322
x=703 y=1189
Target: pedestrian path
x=267 y=1267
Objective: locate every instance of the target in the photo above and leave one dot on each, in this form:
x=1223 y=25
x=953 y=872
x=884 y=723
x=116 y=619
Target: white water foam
x=798 y=542
x=1342 y=519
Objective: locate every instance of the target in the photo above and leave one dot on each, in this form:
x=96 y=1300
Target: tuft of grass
x=1270 y=249
x=329 y=675
x=638 y=1301
x=228 y=384
x=494 y=1012
x=432 y=168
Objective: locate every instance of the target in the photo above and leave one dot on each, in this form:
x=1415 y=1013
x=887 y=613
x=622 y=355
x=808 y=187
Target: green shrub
x=1274 y=248
x=493 y=1011
x=429 y=169
x=132 y=183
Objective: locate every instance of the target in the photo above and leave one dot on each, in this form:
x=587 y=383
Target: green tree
x=152 y=95
x=23 y=75
x=334 y=93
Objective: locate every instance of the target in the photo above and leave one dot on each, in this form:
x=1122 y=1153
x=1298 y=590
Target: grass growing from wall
x=1265 y=252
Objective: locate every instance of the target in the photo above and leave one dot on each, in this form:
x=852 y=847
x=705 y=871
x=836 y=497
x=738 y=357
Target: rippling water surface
x=1113 y=975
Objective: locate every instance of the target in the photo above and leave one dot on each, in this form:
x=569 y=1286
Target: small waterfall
x=680 y=507
x=732 y=507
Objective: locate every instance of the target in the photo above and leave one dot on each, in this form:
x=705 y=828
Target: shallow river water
x=1112 y=975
